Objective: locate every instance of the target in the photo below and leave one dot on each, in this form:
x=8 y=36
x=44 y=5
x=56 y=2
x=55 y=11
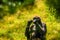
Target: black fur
x=39 y=32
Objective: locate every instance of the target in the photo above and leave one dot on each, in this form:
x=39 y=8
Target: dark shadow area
x=56 y=5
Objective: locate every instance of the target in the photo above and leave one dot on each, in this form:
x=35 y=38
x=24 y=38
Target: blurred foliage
x=3 y=11
x=15 y=17
x=56 y=5
x=13 y=5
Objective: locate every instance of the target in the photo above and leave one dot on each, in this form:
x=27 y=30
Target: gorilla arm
x=27 y=28
x=43 y=28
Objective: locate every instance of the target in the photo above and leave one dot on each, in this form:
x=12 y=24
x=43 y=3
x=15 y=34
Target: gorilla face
x=36 y=19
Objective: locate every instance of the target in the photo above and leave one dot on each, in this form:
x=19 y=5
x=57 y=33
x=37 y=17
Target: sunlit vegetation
x=14 y=17
x=54 y=4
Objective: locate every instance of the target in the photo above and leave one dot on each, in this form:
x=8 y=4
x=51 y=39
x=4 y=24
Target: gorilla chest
x=34 y=29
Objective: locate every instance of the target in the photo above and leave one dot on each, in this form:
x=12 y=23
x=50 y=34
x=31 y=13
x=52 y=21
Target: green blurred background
x=14 y=15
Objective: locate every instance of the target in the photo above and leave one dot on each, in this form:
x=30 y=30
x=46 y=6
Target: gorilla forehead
x=36 y=18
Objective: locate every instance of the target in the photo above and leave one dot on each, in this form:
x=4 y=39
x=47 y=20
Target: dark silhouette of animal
x=36 y=30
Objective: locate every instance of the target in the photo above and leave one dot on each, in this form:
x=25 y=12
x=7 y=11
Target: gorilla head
x=37 y=19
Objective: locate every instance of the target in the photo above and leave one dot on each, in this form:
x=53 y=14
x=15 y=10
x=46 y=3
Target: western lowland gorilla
x=35 y=30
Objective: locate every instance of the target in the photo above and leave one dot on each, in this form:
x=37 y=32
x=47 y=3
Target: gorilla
x=36 y=30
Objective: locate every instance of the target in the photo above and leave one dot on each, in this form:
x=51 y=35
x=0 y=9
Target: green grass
x=13 y=27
